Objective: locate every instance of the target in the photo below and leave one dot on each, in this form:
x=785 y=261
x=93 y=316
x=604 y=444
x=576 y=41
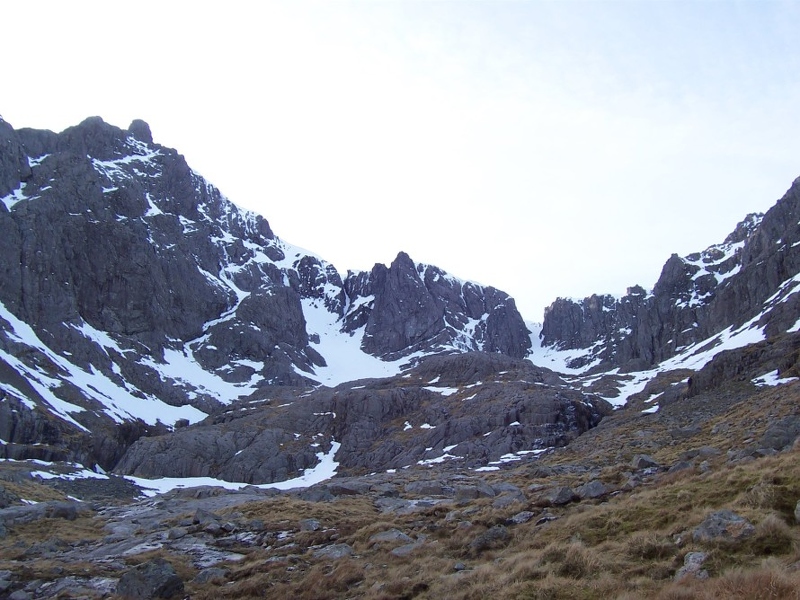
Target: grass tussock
x=649 y=545
x=767 y=582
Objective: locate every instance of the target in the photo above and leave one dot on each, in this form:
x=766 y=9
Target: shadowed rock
x=153 y=579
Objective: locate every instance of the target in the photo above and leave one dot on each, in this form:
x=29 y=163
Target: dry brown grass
x=627 y=547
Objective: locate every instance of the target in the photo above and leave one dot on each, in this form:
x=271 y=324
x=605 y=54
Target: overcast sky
x=545 y=148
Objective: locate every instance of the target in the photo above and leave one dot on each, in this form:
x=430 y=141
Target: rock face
x=413 y=307
x=751 y=275
x=134 y=295
x=439 y=413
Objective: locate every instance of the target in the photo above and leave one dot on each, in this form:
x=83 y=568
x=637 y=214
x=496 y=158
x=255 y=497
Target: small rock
x=459 y=566
x=797 y=512
x=522 y=517
x=557 y=496
x=503 y=486
x=465 y=493
x=691 y=566
x=349 y=488
x=643 y=461
x=495 y=537
x=405 y=549
x=310 y=525
x=317 y=493
x=213 y=528
x=723 y=525
x=389 y=537
x=426 y=488
x=334 y=552
x=177 y=533
x=385 y=489
x=203 y=517
x=212 y=574
x=681 y=465
x=592 y=490
x=152 y=579
x=20 y=595
x=506 y=499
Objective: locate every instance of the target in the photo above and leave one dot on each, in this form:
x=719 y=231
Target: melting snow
x=324 y=470
x=18 y=195
x=345 y=359
x=444 y=391
x=118 y=400
x=553 y=358
x=772 y=379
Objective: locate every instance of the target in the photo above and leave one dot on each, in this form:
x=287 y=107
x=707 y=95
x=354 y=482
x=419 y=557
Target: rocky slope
x=134 y=296
x=750 y=280
x=466 y=410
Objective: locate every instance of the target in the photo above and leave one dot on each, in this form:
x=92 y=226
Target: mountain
x=738 y=292
x=135 y=296
x=397 y=433
x=143 y=315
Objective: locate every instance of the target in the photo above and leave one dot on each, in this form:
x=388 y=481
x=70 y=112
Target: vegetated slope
x=695 y=501
x=134 y=296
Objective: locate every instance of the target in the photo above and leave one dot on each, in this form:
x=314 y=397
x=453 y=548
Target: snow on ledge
x=324 y=470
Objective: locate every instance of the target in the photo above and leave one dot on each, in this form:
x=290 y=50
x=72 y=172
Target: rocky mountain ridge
x=143 y=315
x=135 y=296
x=751 y=276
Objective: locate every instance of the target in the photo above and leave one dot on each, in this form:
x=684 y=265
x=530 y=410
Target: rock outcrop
x=467 y=410
x=408 y=307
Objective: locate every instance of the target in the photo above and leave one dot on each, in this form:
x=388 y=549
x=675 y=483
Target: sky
x=548 y=149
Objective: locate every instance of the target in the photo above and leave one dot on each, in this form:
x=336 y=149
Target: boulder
x=723 y=526
x=558 y=496
x=495 y=537
x=522 y=517
x=153 y=579
x=392 y=536
x=211 y=574
x=644 y=461
x=592 y=490
x=310 y=525
x=692 y=566
x=334 y=552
